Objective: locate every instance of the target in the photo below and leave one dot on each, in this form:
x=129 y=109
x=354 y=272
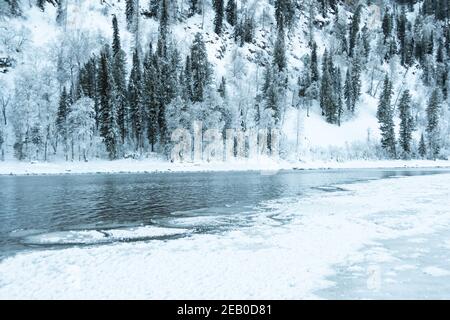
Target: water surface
x=32 y=207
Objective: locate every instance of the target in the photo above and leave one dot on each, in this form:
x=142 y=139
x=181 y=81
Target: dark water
x=39 y=205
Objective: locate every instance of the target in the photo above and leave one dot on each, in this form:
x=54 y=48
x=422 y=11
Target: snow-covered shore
x=288 y=253
x=150 y=166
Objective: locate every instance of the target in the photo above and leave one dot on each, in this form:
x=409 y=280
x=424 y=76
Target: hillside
x=340 y=80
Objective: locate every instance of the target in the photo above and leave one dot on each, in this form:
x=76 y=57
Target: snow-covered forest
x=111 y=79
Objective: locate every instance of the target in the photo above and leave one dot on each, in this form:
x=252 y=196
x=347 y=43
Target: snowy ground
x=291 y=251
x=145 y=166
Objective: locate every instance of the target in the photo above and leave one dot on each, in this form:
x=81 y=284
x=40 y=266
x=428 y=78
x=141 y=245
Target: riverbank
x=153 y=166
x=291 y=251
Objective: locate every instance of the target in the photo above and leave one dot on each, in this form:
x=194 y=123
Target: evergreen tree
x=348 y=92
x=385 y=119
x=401 y=34
x=169 y=72
x=163 y=31
x=14 y=7
x=314 y=67
x=41 y=4
x=131 y=11
x=118 y=71
x=338 y=103
x=88 y=85
x=365 y=39
x=187 y=80
x=150 y=96
x=61 y=118
x=354 y=30
x=195 y=7
x=356 y=82
x=340 y=30
x=135 y=101
x=284 y=13
x=154 y=7
x=223 y=88
x=218 y=19
x=279 y=54
x=387 y=26
x=271 y=98
x=201 y=69
x=327 y=103
x=422 y=147
x=109 y=128
x=231 y=12
x=406 y=123
x=433 y=110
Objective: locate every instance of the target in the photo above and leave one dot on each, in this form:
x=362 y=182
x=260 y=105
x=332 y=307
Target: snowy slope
x=307 y=136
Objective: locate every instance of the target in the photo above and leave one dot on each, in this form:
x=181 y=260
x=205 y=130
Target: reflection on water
x=201 y=202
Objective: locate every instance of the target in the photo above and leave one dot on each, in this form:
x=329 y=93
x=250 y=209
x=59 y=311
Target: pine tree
x=422 y=147
x=131 y=11
x=135 y=101
x=187 y=81
x=109 y=128
x=61 y=118
x=169 y=75
x=118 y=71
x=338 y=104
x=356 y=82
x=150 y=96
x=348 y=92
x=195 y=7
x=163 y=31
x=271 y=98
x=279 y=54
x=223 y=88
x=326 y=90
x=284 y=13
x=432 y=130
x=231 y=12
x=153 y=8
x=365 y=39
x=218 y=19
x=88 y=83
x=401 y=34
x=387 y=26
x=41 y=4
x=340 y=29
x=406 y=123
x=354 y=30
x=14 y=7
x=201 y=69
x=314 y=67
x=385 y=119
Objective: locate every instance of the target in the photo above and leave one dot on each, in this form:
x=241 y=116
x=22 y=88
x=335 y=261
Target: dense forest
x=118 y=85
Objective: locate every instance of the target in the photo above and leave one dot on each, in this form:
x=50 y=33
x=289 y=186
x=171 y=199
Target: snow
x=265 y=165
x=436 y=271
x=318 y=133
x=290 y=252
x=102 y=236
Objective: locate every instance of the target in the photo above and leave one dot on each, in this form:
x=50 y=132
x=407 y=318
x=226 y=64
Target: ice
x=101 y=236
